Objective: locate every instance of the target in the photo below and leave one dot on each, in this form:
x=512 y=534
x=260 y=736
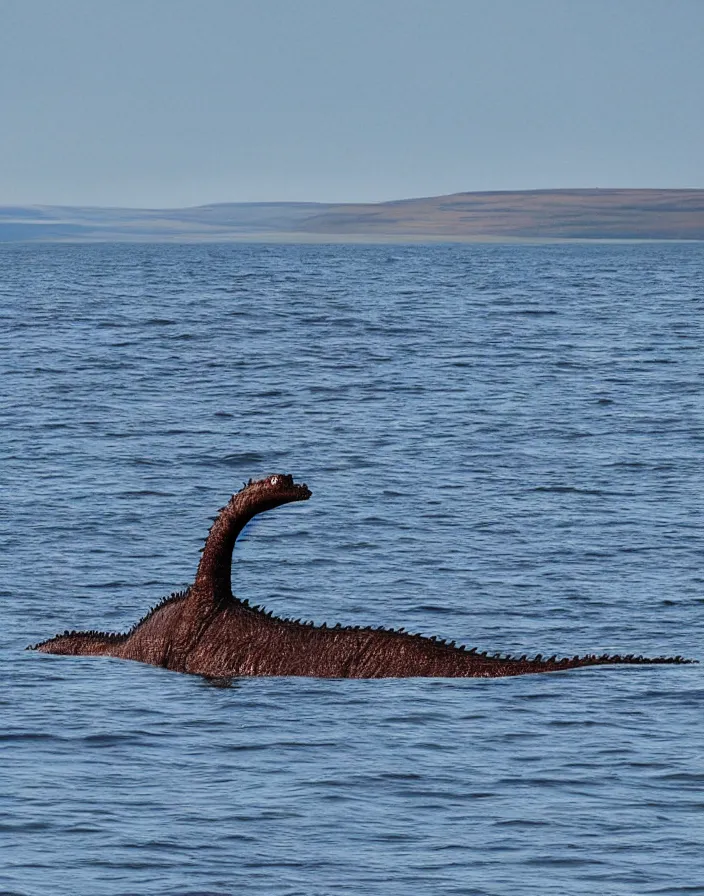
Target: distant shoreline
x=576 y=215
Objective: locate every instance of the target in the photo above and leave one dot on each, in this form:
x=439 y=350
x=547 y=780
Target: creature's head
x=276 y=489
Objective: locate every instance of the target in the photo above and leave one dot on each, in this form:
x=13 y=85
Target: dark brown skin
x=207 y=631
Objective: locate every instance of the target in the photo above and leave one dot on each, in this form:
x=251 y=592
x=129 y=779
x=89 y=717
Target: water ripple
x=504 y=446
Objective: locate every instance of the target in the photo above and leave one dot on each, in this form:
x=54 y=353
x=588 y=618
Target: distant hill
x=532 y=214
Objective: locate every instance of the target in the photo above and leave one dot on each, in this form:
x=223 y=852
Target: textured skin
x=207 y=631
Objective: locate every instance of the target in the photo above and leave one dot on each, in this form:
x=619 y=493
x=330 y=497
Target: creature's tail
x=554 y=663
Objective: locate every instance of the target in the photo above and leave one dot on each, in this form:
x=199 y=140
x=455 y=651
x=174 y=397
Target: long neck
x=213 y=579
x=212 y=586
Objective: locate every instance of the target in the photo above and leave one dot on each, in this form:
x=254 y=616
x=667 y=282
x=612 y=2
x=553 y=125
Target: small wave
x=570 y=490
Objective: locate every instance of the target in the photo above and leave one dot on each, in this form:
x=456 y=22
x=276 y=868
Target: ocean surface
x=505 y=447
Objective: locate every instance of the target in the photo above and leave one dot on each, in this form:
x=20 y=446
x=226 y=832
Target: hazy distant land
x=535 y=215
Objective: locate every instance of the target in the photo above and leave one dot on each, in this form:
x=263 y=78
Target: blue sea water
x=504 y=445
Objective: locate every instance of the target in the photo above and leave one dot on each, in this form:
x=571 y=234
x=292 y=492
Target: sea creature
x=207 y=631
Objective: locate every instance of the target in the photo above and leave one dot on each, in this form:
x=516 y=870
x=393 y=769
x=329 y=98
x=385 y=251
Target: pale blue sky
x=183 y=102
